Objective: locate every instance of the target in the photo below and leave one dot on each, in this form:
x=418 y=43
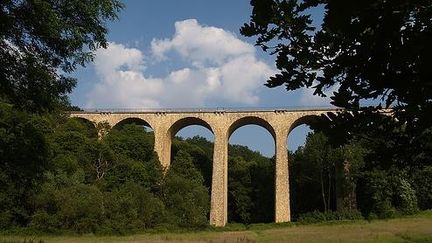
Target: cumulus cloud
x=201 y=44
x=219 y=67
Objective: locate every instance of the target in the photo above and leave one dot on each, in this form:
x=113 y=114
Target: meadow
x=416 y=228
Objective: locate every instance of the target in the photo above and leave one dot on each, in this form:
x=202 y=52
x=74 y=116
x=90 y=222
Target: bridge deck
x=206 y=110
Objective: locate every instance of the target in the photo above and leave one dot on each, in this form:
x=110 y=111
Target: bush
x=77 y=207
x=422 y=183
x=132 y=207
x=184 y=195
x=405 y=198
x=384 y=194
x=317 y=216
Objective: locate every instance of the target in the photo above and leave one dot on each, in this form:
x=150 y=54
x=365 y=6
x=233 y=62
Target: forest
x=57 y=176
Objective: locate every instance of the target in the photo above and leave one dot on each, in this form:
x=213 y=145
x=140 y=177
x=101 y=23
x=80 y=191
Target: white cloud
x=201 y=44
x=118 y=56
x=219 y=68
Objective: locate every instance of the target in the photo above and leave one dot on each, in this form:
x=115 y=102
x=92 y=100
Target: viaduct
x=222 y=123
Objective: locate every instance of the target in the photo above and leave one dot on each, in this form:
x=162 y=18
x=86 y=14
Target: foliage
x=317 y=216
x=42 y=41
x=314 y=169
x=240 y=203
x=132 y=136
x=386 y=193
x=184 y=195
x=23 y=159
x=368 y=55
x=367 y=49
x=132 y=207
x=422 y=184
x=116 y=185
x=250 y=186
x=201 y=152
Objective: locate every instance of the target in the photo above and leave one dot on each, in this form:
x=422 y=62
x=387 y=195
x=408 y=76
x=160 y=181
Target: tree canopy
x=41 y=41
x=365 y=50
x=369 y=55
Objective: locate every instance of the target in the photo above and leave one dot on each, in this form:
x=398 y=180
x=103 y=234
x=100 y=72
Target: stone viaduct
x=222 y=123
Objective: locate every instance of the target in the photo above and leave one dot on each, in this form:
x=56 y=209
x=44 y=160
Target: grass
x=416 y=228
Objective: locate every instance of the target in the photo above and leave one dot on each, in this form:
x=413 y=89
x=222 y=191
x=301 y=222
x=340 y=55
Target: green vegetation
x=41 y=42
x=71 y=181
x=416 y=228
x=115 y=185
x=57 y=177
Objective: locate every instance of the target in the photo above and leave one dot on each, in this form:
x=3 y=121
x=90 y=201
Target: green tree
x=41 y=41
x=184 y=194
x=24 y=153
x=368 y=49
x=422 y=183
x=374 y=53
x=201 y=152
x=132 y=207
x=319 y=155
x=324 y=177
x=133 y=141
x=240 y=190
x=251 y=190
x=384 y=193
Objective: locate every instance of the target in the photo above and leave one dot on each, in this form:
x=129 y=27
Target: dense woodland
x=56 y=175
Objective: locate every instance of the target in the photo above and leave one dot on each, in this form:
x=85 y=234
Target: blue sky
x=187 y=54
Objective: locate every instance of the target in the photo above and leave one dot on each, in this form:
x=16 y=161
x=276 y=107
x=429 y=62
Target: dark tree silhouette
x=42 y=41
x=375 y=53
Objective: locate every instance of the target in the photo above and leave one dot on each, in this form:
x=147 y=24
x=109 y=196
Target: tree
x=240 y=190
x=324 y=177
x=370 y=49
x=320 y=158
x=41 y=41
x=24 y=155
x=375 y=54
x=185 y=196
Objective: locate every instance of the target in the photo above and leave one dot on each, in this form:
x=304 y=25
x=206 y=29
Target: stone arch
x=172 y=131
x=130 y=120
x=296 y=136
x=256 y=215
x=83 y=119
x=307 y=120
x=187 y=121
x=89 y=123
x=251 y=120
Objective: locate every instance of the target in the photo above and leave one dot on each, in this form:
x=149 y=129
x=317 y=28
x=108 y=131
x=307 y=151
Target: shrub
x=422 y=183
x=317 y=216
x=132 y=207
x=77 y=207
x=386 y=193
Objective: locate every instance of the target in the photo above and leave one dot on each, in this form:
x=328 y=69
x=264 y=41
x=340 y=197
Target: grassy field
x=416 y=228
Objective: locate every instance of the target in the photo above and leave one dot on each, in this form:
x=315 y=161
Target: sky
x=188 y=54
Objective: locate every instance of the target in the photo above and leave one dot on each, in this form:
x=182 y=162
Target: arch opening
x=195 y=137
x=81 y=125
x=251 y=120
x=251 y=170
x=192 y=145
x=133 y=120
x=311 y=179
x=185 y=122
x=134 y=137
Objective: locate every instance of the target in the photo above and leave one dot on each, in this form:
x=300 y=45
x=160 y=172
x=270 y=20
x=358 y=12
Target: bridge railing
x=205 y=109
